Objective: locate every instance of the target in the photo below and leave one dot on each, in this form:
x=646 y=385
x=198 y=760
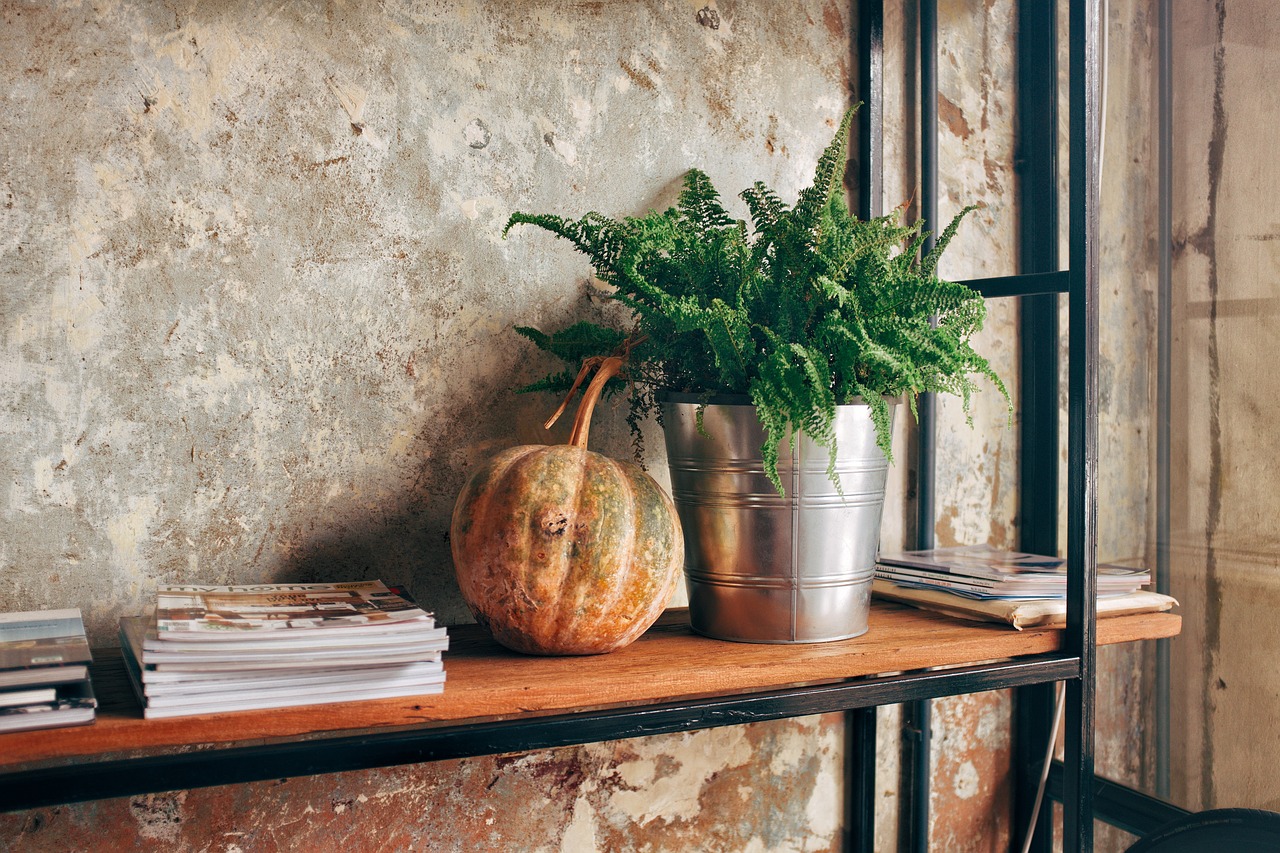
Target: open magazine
x=209 y=612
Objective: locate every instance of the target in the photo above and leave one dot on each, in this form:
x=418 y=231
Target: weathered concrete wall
x=255 y=318
x=257 y=309
x=1226 y=555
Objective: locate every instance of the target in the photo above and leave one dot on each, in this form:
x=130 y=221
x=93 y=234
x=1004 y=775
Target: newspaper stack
x=44 y=674
x=210 y=649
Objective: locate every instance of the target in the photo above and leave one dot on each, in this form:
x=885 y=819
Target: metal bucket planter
x=760 y=567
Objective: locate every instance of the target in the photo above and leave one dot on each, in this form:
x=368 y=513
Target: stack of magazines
x=984 y=573
x=44 y=673
x=210 y=649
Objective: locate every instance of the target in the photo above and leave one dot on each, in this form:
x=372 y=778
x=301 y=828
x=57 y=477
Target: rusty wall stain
x=771 y=786
x=950 y=114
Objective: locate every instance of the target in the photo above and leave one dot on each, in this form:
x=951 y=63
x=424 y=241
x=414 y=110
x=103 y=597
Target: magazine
x=42 y=675
x=982 y=561
x=393 y=635
x=156 y=647
x=198 y=611
x=213 y=658
x=231 y=702
x=42 y=638
x=300 y=695
x=984 y=572
x=177 y=684
x=44 y=717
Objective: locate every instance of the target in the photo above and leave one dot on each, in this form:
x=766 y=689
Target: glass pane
x=1224 y=508
x=1222 y=500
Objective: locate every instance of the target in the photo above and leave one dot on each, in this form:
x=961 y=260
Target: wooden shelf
x=502 y=701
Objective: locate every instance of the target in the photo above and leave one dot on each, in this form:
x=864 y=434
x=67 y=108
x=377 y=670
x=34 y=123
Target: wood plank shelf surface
x=486 y=684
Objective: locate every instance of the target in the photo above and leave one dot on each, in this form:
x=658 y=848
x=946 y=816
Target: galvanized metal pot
x=764 y=568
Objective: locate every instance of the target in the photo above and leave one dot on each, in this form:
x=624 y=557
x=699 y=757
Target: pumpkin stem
x=587 y=366
x=609 y=368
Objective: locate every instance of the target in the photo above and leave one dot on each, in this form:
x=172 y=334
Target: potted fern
x=773 y=355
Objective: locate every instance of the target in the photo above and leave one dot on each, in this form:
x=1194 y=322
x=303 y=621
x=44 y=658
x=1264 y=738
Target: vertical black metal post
x=871 y=114
x=860 y=759
x=918 y=722
x=860 y=729
x=925 y=513
x=1037 y=167
x=1082 y=425
x=1164 y=350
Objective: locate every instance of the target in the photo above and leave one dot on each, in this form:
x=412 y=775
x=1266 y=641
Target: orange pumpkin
x=562 y=551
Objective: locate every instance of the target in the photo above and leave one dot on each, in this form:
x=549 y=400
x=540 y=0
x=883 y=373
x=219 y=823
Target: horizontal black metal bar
x=89 y=780
x=1129 y=809
x=1026 y=284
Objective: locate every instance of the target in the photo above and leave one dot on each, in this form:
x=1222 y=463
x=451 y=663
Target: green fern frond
x=828 y=179
x=700 y=202
x=930 y=262
x=810 y=308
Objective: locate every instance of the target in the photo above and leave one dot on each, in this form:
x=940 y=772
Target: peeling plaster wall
x=255 y=318
x=769 y=787
x=257 y=307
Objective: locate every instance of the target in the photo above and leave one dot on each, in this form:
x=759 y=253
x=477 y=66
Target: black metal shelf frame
x=1040 y=284
x=78 y=781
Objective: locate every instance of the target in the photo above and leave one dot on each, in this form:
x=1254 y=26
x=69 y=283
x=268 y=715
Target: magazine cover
x=232 y=610
x=984 y=561
x=977 y=560
x=40 y=638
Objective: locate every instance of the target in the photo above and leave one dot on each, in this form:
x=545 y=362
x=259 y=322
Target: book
x=43 y=675
x=10 y=698
x=984 y=572
x=73 y=704
x=206 y=611
x=1037 y=613
x=42 y=647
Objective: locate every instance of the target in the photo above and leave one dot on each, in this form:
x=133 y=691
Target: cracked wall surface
x=256 y=321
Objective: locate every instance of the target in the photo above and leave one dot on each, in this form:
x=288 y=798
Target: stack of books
x=210 y=649
x=984 y=572
x=44 y=673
